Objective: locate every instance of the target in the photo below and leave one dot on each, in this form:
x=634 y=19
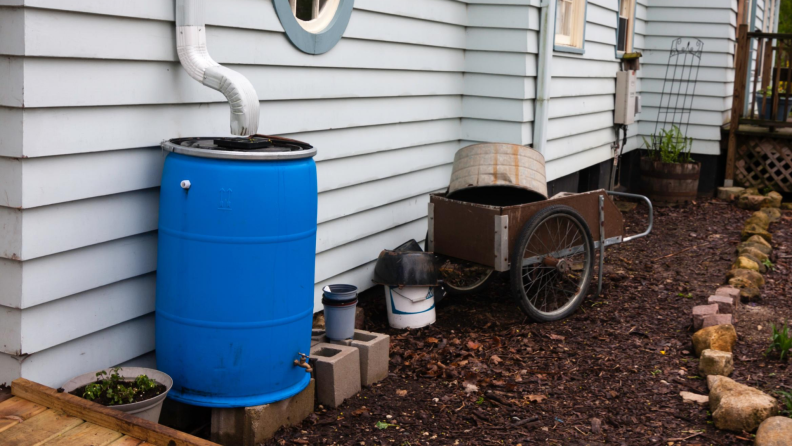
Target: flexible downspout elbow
x=544 y=76
x=195 y=58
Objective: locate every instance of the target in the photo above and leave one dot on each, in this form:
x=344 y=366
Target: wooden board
x=156 y=434
x=126 y=440
x=86 y=434
x=39 y=429
x=16 y=410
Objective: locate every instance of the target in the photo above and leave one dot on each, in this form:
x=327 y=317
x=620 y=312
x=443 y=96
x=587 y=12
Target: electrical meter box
x=626 y=98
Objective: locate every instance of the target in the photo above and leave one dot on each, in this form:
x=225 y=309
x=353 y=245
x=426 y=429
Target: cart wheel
x=552 y=264
x=479 y=285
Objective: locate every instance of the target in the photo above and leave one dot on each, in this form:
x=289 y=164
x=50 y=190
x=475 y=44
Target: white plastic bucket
x=410 y=306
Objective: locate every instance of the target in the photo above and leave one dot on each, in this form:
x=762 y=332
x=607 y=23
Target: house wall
x=581 y=130
x=90 y=88
x=95 y=86
x=714 y=23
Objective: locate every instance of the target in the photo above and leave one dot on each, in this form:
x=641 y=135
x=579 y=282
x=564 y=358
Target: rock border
x=715 y=335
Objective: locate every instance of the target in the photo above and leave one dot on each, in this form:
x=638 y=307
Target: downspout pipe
x=195 y=58
x=751 y=52
x=544 y=76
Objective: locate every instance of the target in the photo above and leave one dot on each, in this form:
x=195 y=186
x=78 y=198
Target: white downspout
x=194 y=57
x=544 y=76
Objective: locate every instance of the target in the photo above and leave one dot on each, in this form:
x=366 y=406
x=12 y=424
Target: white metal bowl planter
x=149 y=409
x=195 y=58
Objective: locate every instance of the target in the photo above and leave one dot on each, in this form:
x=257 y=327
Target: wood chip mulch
x=610 y=374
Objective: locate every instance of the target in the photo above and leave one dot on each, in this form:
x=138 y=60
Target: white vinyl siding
x=80 y=163
x=714 y=23
x=581 y=132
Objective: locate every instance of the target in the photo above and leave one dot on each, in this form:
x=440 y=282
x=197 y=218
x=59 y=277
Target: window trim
x=319 y=42
x=571 y=49
x=631 y=37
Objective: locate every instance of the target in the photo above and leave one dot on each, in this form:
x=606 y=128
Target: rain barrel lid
x=264 y=148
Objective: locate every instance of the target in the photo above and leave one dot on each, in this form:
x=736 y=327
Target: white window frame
x=629 y=35
x=576 y=41
x=322 y=14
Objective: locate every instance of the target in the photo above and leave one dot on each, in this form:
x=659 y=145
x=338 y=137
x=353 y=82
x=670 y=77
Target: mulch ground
x=610 y=374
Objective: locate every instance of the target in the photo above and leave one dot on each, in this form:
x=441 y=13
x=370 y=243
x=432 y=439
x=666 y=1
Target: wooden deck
x=38 y=415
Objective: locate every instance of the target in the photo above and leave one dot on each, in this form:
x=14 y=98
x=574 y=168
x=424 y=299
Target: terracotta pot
x=149 y=409
x=668 y=184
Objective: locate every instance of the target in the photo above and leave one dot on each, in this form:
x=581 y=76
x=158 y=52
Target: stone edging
x=734 y=406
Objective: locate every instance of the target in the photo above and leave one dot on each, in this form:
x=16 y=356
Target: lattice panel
x=764 y=162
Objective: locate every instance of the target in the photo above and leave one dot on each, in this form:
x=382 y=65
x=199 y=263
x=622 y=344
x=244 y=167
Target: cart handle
x=651 y=213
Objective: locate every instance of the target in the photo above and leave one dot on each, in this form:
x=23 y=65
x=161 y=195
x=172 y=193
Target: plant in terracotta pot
x=669 y=174
x=134 y=390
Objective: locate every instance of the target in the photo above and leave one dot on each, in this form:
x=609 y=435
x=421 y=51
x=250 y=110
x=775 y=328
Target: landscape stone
x=762 y=266
x=694 y=398
x=774 y=431
x=773 y=200
x=773 y=214
x=753 y=252
x=715 y=362
x=699 y=312
x=760 y=240
x=786 y=206
x=750 y=191
x=718 y=337
x=737 y=407
x=743 y=262
x=729 y=193
x=751 y=202
x=759 y=247
x=726 y=304
x=759 y=219
x=751 y=230
x=716 y=319
x=750 y=276
x=750 y=294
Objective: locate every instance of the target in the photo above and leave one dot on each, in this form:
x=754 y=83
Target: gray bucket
x=340 y=292
x=339 y=319
x=149 y=409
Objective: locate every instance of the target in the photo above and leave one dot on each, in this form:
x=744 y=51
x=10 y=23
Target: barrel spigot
x=303 y=362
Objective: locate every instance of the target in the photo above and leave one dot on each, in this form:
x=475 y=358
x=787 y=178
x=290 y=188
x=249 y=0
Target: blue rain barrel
x=235 y=272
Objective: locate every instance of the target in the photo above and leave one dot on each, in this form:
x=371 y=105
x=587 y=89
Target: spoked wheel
x=552 y=264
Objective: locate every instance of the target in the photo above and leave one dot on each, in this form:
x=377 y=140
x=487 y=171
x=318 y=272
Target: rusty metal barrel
x=498 y=174
x=668 y=184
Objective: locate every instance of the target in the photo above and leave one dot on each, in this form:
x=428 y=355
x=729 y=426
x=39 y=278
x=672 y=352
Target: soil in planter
x=105 y=401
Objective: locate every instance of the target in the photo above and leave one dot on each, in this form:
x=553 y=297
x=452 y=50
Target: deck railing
x=770 y=88
x=767 y=94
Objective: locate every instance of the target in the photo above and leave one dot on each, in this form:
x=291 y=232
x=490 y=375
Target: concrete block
x=726 y=304
x=711 y=320
x=374 y=355
x=337 y=372
x=699 y=312
x=318 y=337
x=251 y=426
x=729 y=193
x=729 y=291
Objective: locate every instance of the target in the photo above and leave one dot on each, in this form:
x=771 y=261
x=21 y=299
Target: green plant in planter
x=670 y=146
x=781 y=340
x=116 y=389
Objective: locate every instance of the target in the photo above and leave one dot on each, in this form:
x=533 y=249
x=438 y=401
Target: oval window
x=314 y=26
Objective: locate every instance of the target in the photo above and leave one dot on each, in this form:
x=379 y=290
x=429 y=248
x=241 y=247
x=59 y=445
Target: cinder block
x=374 y=355
x=250 y=426
x=699 y=312
x=725 y=303
x=337 y=372
x=711 y=320
x=318 y=337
